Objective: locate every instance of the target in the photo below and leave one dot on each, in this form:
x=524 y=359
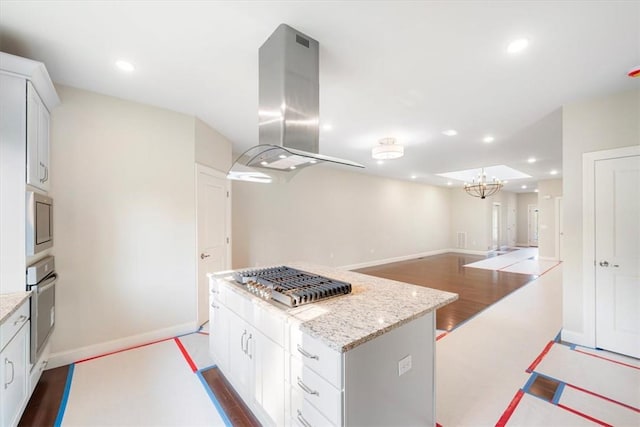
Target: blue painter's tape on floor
x=213 y=398
x=527 y=386
x=558 y=394
x=65 y=397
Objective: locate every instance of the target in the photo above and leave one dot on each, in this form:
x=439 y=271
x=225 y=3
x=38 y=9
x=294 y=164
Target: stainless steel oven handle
x=48 y=283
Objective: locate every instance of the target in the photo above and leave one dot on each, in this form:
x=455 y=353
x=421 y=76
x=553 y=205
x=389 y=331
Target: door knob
x=604 y=263
x=203 y=256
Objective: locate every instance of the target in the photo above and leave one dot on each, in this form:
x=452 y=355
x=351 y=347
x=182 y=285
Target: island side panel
x=375 y=394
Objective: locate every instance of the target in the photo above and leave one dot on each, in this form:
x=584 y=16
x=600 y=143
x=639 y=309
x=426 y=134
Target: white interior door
x=212 y=219
x=617 y=250
x=533 y=225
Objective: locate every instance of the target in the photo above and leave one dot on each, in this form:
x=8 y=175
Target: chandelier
x=480 y=187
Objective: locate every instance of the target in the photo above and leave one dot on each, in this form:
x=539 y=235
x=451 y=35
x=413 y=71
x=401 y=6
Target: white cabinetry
x=37 y=140
x=247 y=344
x=14 y=357
x=289 y=378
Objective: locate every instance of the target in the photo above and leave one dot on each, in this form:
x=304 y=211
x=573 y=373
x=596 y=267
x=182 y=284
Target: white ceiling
x=405 y=69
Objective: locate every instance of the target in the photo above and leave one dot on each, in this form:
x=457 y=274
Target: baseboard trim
x=394 y=259
x=578 y=338
x=547 y=258
x=468 y=251
x=70 y=356
x=526 y=245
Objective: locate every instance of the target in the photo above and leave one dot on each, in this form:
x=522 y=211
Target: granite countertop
x=9 y=303
x=374 y=307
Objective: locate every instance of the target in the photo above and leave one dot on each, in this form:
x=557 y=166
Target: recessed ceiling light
x=517 y=46
x=282 y=156
x=553 y=172
x=380 y=162
x=327 y=126
x=292 y=167
x=488 y=139
x=450 y=132
x=505 y=182
x=313 y=161
x=449 y=183
x=523 y=187
x=535 y=191
x=264 y=163
x=125 y=65
x=531 y=160
x=413 y=177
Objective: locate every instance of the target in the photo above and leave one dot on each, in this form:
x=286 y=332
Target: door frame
x=529 y=226
x=559 y=232
x=497 y=205
x=218 y=174
x=588 y=233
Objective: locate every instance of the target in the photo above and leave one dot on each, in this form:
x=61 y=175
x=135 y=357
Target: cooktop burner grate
x=290 y=286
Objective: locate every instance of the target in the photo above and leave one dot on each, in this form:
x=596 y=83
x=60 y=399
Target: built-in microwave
x=39 y=222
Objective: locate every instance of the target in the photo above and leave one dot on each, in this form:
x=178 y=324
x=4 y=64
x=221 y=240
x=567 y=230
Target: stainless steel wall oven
x=41 y=280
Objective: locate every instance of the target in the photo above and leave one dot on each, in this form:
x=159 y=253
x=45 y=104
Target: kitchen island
x=366 y=358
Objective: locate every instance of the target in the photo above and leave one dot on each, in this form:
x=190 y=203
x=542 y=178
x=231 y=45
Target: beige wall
x=548 y=191
x=470 y=215
x=337 y=217
x=212 y=148
x=599 y=124
x=123 y=181
x=522 y=217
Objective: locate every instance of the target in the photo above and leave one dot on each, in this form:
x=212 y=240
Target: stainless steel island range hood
x=288 y=112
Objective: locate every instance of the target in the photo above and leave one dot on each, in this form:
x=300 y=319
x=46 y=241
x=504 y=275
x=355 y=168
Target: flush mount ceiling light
x=517 y=46
x=125 y=66
x=531 y=160
x=488 y=139
x=387 y=150
x=482 y=188
x=450 y=132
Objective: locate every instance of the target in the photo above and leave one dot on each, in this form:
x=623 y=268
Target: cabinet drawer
x=12 y=325
x=317 y=391
x=239 y=304
x=216 y=290
x=317 y=356
x=303 y=414
x=270 y=324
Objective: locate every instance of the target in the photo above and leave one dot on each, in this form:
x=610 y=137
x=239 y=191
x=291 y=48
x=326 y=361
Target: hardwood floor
x=43 y=406
x=477 y=288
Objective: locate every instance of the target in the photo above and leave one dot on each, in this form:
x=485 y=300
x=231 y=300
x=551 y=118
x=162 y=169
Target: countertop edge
x=10 y=302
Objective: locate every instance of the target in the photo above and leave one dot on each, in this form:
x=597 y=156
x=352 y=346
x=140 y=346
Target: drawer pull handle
x=249 y=354
x=306 y=388
x=242 y=342
x=304 y=422
x=21 y=319
x=214 y=306
x=13 y=372
x=306 y=354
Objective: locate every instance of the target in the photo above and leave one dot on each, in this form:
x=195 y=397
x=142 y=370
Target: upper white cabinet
x=37 y=140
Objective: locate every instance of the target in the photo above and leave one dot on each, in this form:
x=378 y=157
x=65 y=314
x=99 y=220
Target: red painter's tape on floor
x=602 y=397
x=120 y=351
x=510 y=409
x=606 y=358
x=590 y=418
x=442 y=335
x=188 y=358
x=540 y=357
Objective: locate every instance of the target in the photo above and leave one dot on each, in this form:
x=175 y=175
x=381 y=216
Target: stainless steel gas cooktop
x=290 y=286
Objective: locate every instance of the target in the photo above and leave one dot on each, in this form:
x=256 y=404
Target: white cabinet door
x=269 y=386
x=37 y=140
x=13 y=375
x=219 y=333
x=240 y=360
